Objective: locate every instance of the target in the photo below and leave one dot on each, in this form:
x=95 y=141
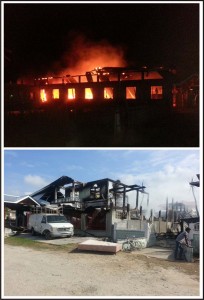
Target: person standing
x=182 y=239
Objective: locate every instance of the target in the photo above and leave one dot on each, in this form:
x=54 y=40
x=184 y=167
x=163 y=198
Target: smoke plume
x=85 y=55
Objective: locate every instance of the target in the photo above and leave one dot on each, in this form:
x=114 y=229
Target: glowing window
x=108 y=93
x=130 y=92
x=71 y=94
x=43 y=95
x=88 y=93
x=55 y=93
x=156 y=92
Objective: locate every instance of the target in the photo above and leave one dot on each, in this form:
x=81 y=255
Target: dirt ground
x=29 y=272
x=139 y=127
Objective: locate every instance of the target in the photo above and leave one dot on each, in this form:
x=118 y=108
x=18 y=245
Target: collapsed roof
x=76 y=194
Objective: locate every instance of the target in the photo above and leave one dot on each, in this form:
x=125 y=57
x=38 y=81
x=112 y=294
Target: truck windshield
x=56 y=219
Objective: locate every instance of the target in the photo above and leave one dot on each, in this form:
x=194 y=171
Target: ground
x=138 y=127
x=74 y=273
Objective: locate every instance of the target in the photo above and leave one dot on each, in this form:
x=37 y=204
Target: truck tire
x=33 y=232
x=47 y=234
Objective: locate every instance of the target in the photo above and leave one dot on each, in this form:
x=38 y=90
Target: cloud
x=35 y=181
x=168 y=176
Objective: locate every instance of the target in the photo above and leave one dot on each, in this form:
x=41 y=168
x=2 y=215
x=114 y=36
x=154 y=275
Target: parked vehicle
x=50 y=225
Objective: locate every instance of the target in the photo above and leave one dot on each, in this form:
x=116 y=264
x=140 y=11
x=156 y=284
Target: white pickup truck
x=50 y=225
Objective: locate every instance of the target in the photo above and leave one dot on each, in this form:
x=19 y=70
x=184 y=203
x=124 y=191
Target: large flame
x=85 y=55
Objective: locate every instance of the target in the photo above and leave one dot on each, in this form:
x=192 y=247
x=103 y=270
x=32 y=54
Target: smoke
x=84 y=55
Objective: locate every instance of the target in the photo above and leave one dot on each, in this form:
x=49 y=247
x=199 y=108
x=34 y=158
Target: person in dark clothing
x=182 y=239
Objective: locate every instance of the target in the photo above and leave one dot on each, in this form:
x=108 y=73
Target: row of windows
x=131 y=93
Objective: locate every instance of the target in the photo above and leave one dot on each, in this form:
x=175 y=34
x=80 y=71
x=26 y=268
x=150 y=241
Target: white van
x=50 y=225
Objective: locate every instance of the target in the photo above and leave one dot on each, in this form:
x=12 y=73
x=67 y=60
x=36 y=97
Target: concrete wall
x=162 y=226
x=148 y=233
x=196 y=243
x=122 y=234
x=118 y=230
x=125 y=227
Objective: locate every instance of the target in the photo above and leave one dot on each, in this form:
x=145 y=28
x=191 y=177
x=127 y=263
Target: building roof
x=20 y=202
x=51 y=187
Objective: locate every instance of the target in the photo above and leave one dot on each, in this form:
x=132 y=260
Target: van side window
x=43 y=219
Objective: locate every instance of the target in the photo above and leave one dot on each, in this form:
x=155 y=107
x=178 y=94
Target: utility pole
x=172 y=210
x=167 y=210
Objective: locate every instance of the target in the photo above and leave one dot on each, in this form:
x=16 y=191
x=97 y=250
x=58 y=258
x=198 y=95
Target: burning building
x=99 y=86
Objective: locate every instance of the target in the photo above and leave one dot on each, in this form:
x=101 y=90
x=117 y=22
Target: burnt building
x=107 y=85
x=88 y=206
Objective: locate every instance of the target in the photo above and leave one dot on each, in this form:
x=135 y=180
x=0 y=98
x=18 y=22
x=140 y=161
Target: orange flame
x=71 y=94
x=108 y=93
x=43 y=95
x=55 y=94
x=131 y=92
x=85 y=55
x=88 y=93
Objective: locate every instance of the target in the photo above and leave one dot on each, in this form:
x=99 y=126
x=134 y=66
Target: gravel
x=29 y=272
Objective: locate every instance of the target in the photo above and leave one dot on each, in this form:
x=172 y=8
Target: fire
x=71 y=94
x=108 y=93
x=85 y=55
x=43 y=95
x=88 y=93
x=55 y=94
x=131 y=92
x=156 y=92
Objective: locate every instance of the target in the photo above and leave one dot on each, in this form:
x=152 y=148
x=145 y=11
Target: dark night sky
x=151 y=34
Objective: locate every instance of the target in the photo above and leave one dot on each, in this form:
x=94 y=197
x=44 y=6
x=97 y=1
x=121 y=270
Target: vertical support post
x=167 y=210
x=141 y=217
x=137 y=198
x=124 y=194
x=73 y=192
x=83 y=221
x=172 y=210
x=160 y=221
x=151 y=215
